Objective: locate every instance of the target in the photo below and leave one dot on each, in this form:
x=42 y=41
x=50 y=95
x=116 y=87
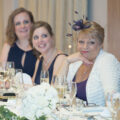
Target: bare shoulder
x=60 y=59
x=6 y=45
x=59 y=62
x=4 y=52
x=61 y=56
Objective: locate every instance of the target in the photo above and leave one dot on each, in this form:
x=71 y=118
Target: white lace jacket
x=104 y=77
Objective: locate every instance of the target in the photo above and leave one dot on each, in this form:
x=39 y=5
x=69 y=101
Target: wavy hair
x=36 y=25
x=10 y=30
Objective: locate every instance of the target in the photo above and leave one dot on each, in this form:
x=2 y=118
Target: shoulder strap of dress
x=59 y=55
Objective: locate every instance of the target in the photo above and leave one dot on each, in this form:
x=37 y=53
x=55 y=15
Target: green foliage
x=6 y=114
x=42 y=118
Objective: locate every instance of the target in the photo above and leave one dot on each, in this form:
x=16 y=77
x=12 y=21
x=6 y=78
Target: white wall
x=97 y=11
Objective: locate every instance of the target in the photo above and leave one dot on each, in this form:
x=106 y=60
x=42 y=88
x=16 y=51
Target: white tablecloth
x=100 y=113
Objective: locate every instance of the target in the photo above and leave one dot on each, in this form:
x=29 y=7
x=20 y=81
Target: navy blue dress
x=15 y=54
x=37 y=78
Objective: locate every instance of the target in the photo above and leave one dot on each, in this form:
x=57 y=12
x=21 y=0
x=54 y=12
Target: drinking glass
x=60 y=86
x=113 y=104
x=2 y=76
x=10 y=68
x=10 y=65
x=79 y=104
x=19 y=75
x=18 y=84
x=71 y=92
x=44 y=76
x=2 y=83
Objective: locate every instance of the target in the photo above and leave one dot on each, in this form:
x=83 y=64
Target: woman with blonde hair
x=95 y=80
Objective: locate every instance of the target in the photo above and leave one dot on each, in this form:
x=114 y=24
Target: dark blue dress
x=37 y=78
x=15 y=54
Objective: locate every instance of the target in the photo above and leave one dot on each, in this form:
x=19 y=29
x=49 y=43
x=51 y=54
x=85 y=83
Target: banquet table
x=85 y=113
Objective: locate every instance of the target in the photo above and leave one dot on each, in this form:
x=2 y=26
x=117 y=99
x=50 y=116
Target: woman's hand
x=76 y=57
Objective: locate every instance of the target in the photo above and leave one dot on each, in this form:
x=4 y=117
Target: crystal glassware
x=71 y=92
x=113 y=104
x=44 y=76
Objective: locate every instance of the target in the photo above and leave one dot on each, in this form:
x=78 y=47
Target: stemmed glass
x=44 y=76
x=18 y=84
x=18 y=78
x=9 y=65
x=71 y=92
x=10 y=70
x=2 y=77
x=113 y=103
x=60 y=84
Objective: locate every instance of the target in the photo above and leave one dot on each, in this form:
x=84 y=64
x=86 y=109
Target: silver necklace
x=46 y=63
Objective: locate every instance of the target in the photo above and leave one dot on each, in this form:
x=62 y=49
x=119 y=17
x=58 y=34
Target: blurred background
x=58 y=13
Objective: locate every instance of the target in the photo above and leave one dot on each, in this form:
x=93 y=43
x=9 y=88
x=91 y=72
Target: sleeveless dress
x=15 y=54
x=50 y=70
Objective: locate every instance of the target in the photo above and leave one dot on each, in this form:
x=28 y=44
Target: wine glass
x=44 y=76
x=19 y=75
x=18 y=84
x=10 y=68
x=60 y=86
x=113 y=103
x=10 y=65
x=2 y=77
x=18 y=79
x=10 y=72
x=71 y=92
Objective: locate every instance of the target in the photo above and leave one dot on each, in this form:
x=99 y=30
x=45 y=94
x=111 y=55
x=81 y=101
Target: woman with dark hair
x=17 y=47
x=42 y=39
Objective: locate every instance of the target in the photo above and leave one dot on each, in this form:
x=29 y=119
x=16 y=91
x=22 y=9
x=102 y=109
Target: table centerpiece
x=40 y=100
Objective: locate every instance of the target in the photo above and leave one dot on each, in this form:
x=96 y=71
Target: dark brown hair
x=36 y=25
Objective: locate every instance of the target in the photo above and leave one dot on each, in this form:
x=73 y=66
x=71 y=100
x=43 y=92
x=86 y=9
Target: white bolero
x=104 y=77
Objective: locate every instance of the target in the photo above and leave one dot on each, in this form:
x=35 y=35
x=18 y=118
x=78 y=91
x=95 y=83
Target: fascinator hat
x=79 y=25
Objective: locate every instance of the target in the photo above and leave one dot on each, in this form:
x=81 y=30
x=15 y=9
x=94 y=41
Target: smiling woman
x=92 y=79
x=42 y=39
x=17 y=48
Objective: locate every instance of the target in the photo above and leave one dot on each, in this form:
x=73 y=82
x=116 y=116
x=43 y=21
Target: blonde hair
x=94 y=30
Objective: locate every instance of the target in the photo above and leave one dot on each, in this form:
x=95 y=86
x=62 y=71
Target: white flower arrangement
x=38 y=101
